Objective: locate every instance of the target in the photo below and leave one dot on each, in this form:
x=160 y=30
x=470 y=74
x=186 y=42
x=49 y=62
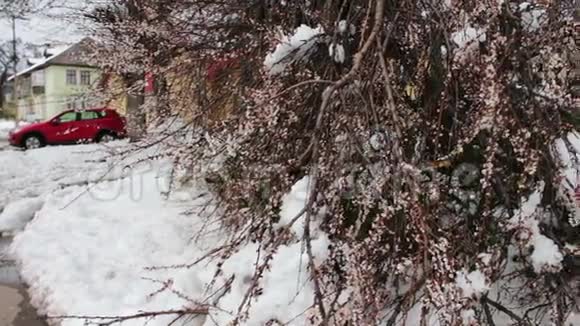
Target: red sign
x=149 y=83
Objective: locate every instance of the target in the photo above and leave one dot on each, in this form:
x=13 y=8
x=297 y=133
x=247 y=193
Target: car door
x=90 y=124
x=64 y=128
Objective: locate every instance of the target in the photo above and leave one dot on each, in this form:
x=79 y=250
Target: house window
x=37 y=90
x=85 y=77
x=71 y=77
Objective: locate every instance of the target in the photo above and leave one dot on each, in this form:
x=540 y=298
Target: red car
x=69 y=127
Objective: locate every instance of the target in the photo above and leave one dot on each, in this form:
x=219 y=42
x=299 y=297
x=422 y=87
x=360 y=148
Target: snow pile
x=5 y=127
x=31 y=174
x=95 y=252
x=17 y=213
x=287 y=290
x=292 y=48
x=473 y=284
x=546 y=255
x=112 y=246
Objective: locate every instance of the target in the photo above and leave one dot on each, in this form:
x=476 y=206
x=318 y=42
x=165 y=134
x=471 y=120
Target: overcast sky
x=59 y=24
x=40 y=30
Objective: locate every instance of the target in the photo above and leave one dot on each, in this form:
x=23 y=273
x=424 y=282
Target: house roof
x=66 y=55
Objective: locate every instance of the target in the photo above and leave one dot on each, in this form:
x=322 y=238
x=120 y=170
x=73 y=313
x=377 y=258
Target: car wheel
x=105 y=138
x=32 y=142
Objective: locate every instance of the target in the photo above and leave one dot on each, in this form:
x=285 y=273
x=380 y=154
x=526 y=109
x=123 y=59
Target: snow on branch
x=293 y=48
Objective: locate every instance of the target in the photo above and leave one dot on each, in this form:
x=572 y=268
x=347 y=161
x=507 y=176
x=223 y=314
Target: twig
x=488 y=315
x=111 y=320
x=505 y=310
x=303 y=83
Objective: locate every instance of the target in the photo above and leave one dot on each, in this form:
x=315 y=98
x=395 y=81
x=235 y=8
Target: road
x=15 y=307
x=9 y=301
x=3 y=144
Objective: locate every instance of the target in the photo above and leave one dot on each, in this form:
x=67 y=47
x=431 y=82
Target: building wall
x=46 y=93
x=115 y=95
x=61 y=96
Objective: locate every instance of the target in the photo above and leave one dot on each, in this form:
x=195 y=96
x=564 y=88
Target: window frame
x=65 y=113
x=98 y=115
x=69 y=77
x=87 y=75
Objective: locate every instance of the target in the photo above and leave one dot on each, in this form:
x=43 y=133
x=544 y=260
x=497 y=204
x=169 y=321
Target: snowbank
x=31 y=174
x=16 y=214
x=5 y=127
x=89 y=249
x=86 y=252
x=287 y=289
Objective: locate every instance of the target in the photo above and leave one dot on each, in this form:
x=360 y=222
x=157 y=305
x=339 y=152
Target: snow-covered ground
x=5 y=127
x=28 y=176
x=112 y=236
x=92 y=232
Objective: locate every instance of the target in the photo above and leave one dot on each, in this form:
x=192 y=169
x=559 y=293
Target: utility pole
x=15 y=68
x=14 y=56
x=14 y=64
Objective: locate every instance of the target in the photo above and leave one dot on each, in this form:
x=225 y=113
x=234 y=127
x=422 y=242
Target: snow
x=473 y=284
x=336 y=52
x=467 y=36
x=546 y=255
x=30 y=174
x=288 y=291
x=342 y=26
x=566 y=189
x=292 y=48
x=293 y=203
x=18 y=213
x=39 y=64
x=415 y=316
x=532 y=18
x=95 y=252
x=377 y=141
x=5 y=127
x=100 y=233
x=468 y=317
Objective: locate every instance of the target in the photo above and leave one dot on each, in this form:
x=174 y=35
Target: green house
x=60 y=81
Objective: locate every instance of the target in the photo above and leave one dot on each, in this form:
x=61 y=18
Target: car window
x=90 y=115
x=68 y=117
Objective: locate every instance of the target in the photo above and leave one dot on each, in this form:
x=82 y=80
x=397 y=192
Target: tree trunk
x=135 y=114
x=3 y=77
